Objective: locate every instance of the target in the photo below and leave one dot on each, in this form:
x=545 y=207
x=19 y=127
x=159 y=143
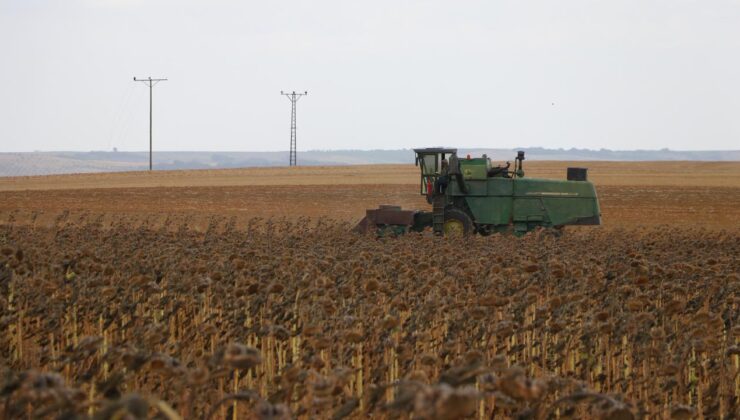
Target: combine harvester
x=472 y=196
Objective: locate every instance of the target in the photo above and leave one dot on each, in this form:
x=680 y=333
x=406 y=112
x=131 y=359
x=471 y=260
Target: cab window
x=429 y=164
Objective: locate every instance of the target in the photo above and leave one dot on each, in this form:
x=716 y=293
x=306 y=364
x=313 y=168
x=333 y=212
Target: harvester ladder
x=438 y=213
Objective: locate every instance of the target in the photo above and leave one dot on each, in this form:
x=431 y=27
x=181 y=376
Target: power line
x=150 y=82
x=121 y=119
x=293 y=97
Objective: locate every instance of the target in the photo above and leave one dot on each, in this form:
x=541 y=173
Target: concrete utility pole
x=150 y=82
x=293 y=97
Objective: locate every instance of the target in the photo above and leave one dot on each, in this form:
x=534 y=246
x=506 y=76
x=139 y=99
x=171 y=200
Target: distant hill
x=47 y=163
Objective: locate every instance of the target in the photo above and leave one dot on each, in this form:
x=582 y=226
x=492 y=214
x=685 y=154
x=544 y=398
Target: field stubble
x=631 y=194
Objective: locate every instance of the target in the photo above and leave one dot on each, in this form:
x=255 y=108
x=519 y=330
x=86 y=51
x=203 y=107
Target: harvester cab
x=431 y=161
x=470 y=195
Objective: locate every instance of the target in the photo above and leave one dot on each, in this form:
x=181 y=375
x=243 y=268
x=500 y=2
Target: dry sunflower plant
x=301 y=319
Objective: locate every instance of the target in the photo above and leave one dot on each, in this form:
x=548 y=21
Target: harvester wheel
x=457 y=223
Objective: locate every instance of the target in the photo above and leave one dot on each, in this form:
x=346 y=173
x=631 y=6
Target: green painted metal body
x=526 y=203
x=497 y=199
x=485 y=199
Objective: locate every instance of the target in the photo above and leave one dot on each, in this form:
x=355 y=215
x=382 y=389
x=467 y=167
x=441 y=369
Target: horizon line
x=572 y=149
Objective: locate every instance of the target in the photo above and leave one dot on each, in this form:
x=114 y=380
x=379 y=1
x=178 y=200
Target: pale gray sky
x=622 y=74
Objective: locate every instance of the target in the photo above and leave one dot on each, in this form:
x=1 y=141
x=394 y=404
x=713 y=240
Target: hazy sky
x=619 y=74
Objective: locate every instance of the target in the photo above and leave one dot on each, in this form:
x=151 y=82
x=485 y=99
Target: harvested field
x=631 y=194
x=706 y=174
x=622 y=206
x=173 y=294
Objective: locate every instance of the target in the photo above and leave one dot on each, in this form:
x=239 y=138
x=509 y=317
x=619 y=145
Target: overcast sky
x=619 y=74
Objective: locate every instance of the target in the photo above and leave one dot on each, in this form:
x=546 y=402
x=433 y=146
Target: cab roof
x=435 y=150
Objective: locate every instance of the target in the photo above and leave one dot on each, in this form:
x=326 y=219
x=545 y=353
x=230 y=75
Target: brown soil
x=631 y=194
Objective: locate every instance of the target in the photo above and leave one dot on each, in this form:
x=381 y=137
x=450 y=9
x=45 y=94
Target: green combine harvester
x=470 y=195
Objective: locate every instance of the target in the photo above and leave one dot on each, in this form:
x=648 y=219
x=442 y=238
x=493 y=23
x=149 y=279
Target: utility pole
x=150 y=82
x=293 y=97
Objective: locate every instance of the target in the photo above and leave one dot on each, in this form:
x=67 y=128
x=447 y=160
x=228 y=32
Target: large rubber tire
x=457 y=223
